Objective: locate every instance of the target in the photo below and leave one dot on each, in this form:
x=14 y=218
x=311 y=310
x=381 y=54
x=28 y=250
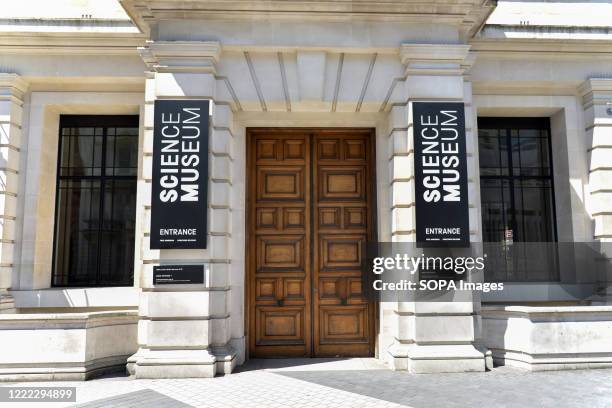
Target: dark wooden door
x=342 y=208
x=310 y=209
x=279 y=252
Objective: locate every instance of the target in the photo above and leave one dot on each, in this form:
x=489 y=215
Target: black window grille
x=95 y=201
x=517 y=193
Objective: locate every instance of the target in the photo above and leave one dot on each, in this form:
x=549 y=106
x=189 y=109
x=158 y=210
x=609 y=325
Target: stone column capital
x=181 y=56
x=436 y=59
x=595 y=85
x=596 y=91
x=12 y=84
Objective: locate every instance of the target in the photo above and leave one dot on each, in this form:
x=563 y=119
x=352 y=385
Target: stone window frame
x=39 y=168
x=570 y=179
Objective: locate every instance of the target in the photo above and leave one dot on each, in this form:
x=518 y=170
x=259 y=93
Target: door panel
x=341 y=183
x=278 y=256
x=310 y=209
x=343 y=314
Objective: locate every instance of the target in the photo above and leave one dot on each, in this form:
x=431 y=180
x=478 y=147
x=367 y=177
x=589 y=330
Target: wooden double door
x=310 y=213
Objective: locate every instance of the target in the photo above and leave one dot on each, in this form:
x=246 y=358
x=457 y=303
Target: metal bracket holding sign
x=440 y=167
x=180 y=174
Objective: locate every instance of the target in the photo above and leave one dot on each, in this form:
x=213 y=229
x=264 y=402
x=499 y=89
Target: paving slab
x=344 y=383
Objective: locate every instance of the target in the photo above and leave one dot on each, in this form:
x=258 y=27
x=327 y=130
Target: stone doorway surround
x=298 y=81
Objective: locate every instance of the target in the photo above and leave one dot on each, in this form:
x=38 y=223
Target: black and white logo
x=180 y=174
x=440 y=164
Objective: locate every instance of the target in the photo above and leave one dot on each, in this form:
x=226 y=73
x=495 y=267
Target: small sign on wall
x=180 y=174
x=178 y=274
x=440 y=165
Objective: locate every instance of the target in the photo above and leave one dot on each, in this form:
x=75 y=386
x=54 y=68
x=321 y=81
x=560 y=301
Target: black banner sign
x=440 y=165
x=180 y=174
x=178 y=274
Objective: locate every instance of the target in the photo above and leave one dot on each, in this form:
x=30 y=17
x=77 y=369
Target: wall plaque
x=178 y=274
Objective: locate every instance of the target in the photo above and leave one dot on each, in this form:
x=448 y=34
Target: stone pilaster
x=184 y=330
x=597 y=105
x=12 y=90
x=430 y=336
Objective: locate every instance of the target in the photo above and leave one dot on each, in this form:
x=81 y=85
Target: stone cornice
x=545 y=32
x=181 y=56
x=45 y=43
x=468 y=15
x=15 y=85
x=439 y=53
x=555 y=48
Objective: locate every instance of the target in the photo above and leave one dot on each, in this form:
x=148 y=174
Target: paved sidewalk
x=321 y=383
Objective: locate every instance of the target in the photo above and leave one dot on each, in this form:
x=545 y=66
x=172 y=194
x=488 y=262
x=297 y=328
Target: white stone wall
x=187 y=323
x=430 y=336
x=549 y=338
x=65 y=346
x=597 y=104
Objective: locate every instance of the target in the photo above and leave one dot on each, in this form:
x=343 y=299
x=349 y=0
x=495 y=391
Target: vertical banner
x=440 y=166
x=179 y=201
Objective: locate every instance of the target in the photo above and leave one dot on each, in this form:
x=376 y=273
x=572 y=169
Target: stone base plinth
x=173 y=364
x=549 y=337
x=428 y=359
x=65 y=346
x=226 y=359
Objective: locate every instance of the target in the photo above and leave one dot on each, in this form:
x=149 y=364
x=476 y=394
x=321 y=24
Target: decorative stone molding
x=549 y=31
x=563 y=48
x=442 y=53
x=467 y=15
x=12 y=91
x=67 y=43
x=435 y=59
x=596 y=91
x=181 y=56
x=14 y=85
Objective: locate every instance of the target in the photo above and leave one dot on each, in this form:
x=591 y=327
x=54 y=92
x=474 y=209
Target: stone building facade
x=304 y=68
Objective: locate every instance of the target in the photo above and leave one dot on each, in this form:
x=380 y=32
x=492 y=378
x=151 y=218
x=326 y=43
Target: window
x=517 y=196
x=516 y=183
x=95 y=201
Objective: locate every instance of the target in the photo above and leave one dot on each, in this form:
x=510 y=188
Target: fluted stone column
x=597 y=103
x=12 y=90
x=184 y=330
x=431 y=336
